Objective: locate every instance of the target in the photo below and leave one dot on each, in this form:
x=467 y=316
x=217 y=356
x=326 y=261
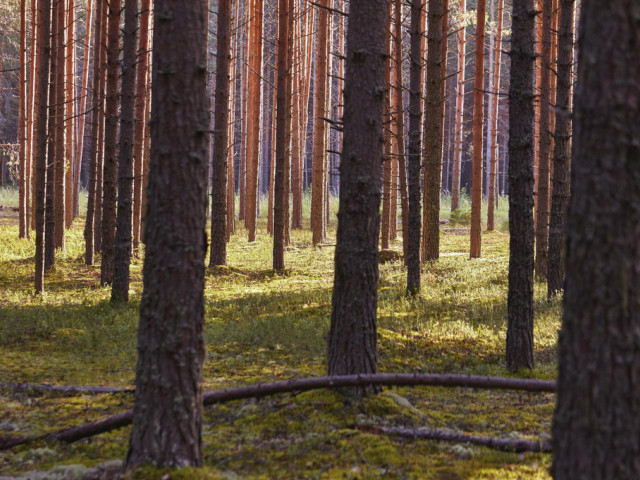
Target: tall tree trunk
x=253 y=118
x=318 y=199
x=218 y=254
x=542 y=211
x=61 y=135
x=96 y=113
x=71 y=113
x=415 y=148
x=123 y=245
x=283 y=123
x=110 y=171
x=231 y=183
x=399 y=126
x=385 y=231
x=561 y=152
x=493 y=137
x=478 y=108
x=22 y=107
x=597 y=419
x=434 y=129
x=30 y=153
x=41 y=81
x=352 y=337
x=521 y=155
x=82 y=113
x=167 y=416
x=459 y=134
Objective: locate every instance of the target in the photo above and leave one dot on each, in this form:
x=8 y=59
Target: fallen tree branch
x=301 y=385
x=65 y=389
x=507 y=444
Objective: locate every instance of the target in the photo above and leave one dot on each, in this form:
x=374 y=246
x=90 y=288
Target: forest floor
x=263 y=326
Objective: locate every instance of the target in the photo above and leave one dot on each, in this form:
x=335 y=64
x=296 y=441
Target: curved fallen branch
x=507 y=444
x=300 y=385
x=64 y=389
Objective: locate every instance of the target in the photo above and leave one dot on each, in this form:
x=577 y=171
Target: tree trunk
x=70 y=114
x=542 y=211
x=167 y=418
x=253 y=118
x=140 y=127
x=96 y=106
x=459 y=134
x=218 y=254
x=122 y=247
x=61 y=135
x=283 y=123
x=110 y=171
x=493 y=137
x=597 y=419
x=561 y=152
x=434 y=129
x=385 y=230
x=478 y=108
x=415 y=148
x=41 y=81
x=22 y=106
x=352 y=337
x=521 y=128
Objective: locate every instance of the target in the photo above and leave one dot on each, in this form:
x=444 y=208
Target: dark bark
x=596 y=430
x=122 y=247
x=414 y=148
x=96 y=105
x=352 y=337
x=60 y=134
x=110 y=168
x=561 y=152
x=221 y=139
x=434 y=129
x=167 y=419
x=41 y=80
x=283 y=124
x=521 y=128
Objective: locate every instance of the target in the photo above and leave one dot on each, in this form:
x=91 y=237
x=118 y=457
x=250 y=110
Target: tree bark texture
x=561 y=152
x=596 y=432
x=521 y=155
x=60 y=132
x=478 y=113
x=218 y=254
x=167 y=419
x=122 y=247
x=23 y=182
x=414 y=147
x=434 y=129
x=352 y=337
x=459 y=134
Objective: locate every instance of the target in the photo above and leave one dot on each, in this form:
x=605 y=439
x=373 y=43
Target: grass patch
x=262 y=326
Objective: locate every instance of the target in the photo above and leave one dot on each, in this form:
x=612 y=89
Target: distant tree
x=218 y=254
x=597 y=418
x=352 y=337
x=434 y=128
x=561 y=151
x=521 y=155
x=414 y=147
x=43 y=49
x=167 y=417
x=110 y=170
x=123 y=245
x=478 y=114
x=457 y=152
x=23 y=183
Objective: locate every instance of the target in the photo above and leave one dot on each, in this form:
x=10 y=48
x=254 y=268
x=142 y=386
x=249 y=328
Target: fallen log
x=506 y=444
x=63 y=389
x=300 y=385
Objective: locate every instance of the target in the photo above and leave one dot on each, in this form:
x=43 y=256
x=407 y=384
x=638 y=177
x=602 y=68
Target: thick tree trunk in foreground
x=122 y=247
x=561 y=152
x=521 y=128
x=352 y=338
x=434 y=128
x=218 y=254
x=167 y=419
x=596 y=432
x=414 y=148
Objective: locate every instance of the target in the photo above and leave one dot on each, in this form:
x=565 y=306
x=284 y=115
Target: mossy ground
x=265 y=326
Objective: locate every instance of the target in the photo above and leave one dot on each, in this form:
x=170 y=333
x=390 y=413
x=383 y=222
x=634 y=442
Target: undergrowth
x=264 y=326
